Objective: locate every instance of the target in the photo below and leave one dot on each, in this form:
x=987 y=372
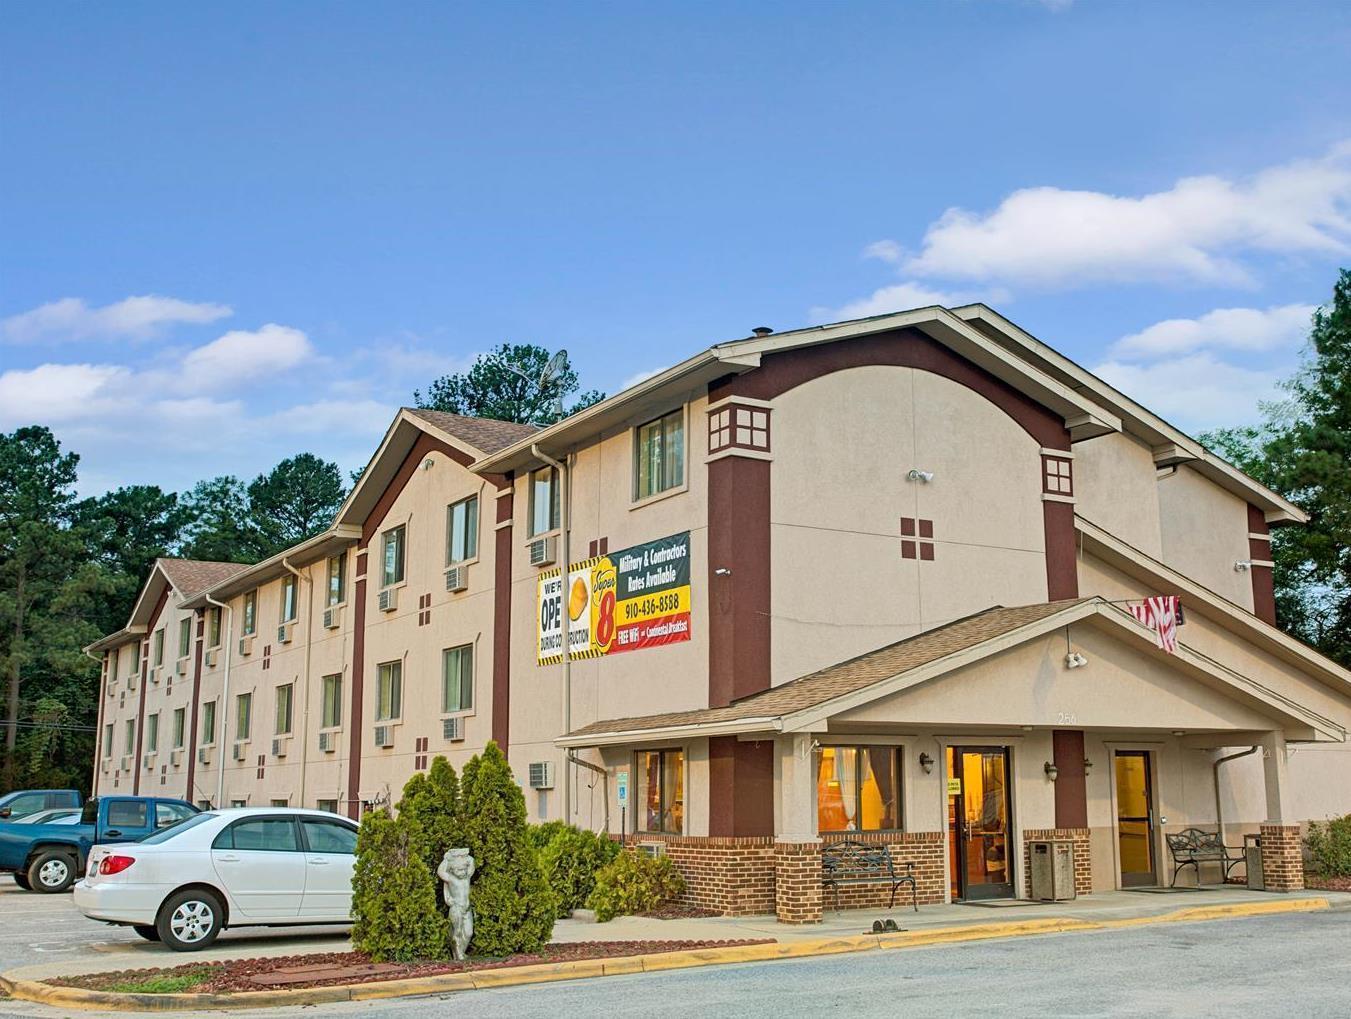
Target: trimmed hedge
x=634 y=883
x=433 y=802
x=395 y=909
x=1329 y=844
x=571 y=860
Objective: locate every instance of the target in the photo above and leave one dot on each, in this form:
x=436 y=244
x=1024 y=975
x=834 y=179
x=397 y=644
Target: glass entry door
x=979 y=823
x=1135 y=818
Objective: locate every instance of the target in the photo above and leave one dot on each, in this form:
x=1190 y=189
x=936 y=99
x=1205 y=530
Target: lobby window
x=288 y=598
x=392 y=550
x=659 y=455
x=462 y=530
x=337 y=578
x=389 y=692
x=250 y=613
x=180 y=727
x=152 y=733
x=285 y=700
x=544 y=501
x=208 y=724
x=243 y=716
x=332 y=710
x=184 y=636
x=213 y=628
x=858 y=789
x=159 y=647
x=661 y=790
x=457 y=679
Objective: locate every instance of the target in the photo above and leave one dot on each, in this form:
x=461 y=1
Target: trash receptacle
x=1052 y=870
x=1252 y=856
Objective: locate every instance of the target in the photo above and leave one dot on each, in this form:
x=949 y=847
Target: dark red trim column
x=741 y=787
x=191 y=748
x=738 y=578
x=1263 y=580
x=1071 y=787
x=358 y=684
x=502 y=553
x=146 y=646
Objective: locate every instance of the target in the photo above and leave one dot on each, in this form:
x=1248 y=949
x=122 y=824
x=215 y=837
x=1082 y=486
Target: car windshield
x=165 y=834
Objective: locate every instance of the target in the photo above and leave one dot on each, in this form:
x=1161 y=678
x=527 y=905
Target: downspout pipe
x=605 y=779
x=224 y=696
x=563 y=621
x=305 y=687
x=1219 y=807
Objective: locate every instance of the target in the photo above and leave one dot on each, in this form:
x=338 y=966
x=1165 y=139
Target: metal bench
x=1195 y=846
x=851 y=862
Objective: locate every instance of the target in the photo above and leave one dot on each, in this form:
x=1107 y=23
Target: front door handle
x=318 y=862
x=228 y=858
x=113 y=833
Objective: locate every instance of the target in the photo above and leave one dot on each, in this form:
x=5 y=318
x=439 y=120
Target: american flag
x=1160 y=614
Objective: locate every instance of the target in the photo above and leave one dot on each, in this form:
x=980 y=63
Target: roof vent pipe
x=762 y=331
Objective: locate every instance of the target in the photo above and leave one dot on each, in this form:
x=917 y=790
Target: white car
x=247 y=867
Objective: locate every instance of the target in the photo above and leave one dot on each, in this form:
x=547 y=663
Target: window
x=330 y=805
x=208 y=723
x=738 y=427
x=329 y=836
x=337 y=578
x=191 y=821
x=243 y=716
x=262 y=834
x=659 y=455
x=184 y=636
x=278 y=801
x=392 y=572
x=858 y=789
x=180 y=729
x=131 y=655
x=544 y=503
x=332 y=710
x=462 y=530
x=239 y=803
x=288 y=598
x=152 y=733
x=457 y=678
x=285 y=697
x=169 y=814
x=108 y=740
x=661 y=790
x=250 y=613
x=131 y=736
x=127 y=814
x=389 y=692
x=213 y=628
x=159 y=647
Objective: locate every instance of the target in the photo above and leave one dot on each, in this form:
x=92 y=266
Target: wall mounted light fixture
x=1088 y=765
x=918 y=475
x=1052 y=772
x=926 y=763
x=1075 y=660
x=1242 y=565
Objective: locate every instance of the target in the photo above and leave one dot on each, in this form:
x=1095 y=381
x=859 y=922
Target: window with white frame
x=180 y=727
x=288 y=598
x=184 y=637
x=159 y=647
x=858 y=788
x=544 y=500
x=393 y=552
x=243 y=716
x=250 y=613
x=208 y=723
x=457 y=679
x=661 y=791
x=108 y=740
x=285 y=702
x=337 y=578
x=131 y=736
x=462 y=530
x=331 y=717
x=659 y=455
x=213 y=627
x=152 y=733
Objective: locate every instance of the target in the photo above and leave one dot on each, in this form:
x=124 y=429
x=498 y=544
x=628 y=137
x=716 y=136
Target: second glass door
x=978 y=822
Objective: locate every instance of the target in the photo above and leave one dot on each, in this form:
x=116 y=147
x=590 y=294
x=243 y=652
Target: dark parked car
x=22 y=802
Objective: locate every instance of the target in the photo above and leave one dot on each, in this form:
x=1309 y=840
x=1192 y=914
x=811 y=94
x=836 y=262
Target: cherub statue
x=457 y=867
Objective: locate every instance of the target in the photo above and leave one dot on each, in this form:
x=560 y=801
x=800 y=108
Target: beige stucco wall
x=1115 y=487
x=1205 y=531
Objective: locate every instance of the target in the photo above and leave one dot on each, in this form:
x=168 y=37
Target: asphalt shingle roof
x=192 y=576
x=486 y=434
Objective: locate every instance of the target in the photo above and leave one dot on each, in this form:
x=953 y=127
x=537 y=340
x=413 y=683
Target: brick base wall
x=731 y=876
x=1083 y=861
x=797 y=882
x=1282 y=858
x=924 y=848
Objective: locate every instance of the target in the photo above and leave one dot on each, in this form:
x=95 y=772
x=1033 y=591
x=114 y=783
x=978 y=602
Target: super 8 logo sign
x=635 y=598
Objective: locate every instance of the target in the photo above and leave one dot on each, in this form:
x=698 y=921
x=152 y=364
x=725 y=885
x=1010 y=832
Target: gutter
x=224 y=696
x=564 y=623
x=309 y=644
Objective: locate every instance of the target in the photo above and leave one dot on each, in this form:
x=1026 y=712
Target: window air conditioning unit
x=384 y=735
x=203 y=755
x=333 y=617
x=284 y=632
x=452 y=729
x=541 y=774
x=328 y=742
x=280 y=745
x=175 y=757
x=181 y=666
x=148 y=761
x=211 y=658
x=104 y=769
x=126 y=762
x=457 y=578
x=154 y=676
x=131 y=683
x=544 y=551
x=246 y=646
x=239 y=751
x=389 y=599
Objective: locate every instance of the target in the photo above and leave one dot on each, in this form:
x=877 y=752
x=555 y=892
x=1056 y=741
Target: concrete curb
x=78 y=998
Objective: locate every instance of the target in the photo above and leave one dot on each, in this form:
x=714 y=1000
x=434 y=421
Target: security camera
x=1243 y=566
x=1074 y=660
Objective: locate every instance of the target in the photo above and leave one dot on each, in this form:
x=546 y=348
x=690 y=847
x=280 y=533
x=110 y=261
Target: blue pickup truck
x=23 y=802
x=49 y=857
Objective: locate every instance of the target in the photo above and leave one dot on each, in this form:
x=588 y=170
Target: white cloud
x=132 y=318
x=323 y=417
x=62 y=392
x=242 y=355
x=1244 y=329
x=1197 y=391
x=885 y=251
x=897 y=297
x=1193 y=231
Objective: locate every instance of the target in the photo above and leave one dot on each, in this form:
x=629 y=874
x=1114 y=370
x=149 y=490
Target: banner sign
x=635 y=598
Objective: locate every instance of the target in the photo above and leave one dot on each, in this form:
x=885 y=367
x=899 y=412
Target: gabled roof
x=191 y=576
x=806 y=703
x=487 y=435
x=186 y=577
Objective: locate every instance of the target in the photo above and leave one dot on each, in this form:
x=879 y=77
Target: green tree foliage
x=513 y=907
x=491 y=389
x=395 y=908
x=570 y=860
x=634 y=883
x=432 y=802
x=1329 y=844
x=217 y=528
x=295 y=500
x=542 y=834
x=1302 y=450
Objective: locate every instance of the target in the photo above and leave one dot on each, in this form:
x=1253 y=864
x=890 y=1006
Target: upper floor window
x=180 y=727
x=108 y=740
x=133 y=654
x=332 y=710
x=243 y=716
x=858 y=789
x=285 y=700
x=462 y=530
x=131 y=735
x=208 y=723
x=159 y=646
x=659 y=455
x=393 y=556
x=661 y=790
x=250 y=613
x=389 y=692
x=337 y=578
x=213 y=628
x=152 y=733
x=457 y=678
x=544 y=500
x=288 y=598
x=184 y=636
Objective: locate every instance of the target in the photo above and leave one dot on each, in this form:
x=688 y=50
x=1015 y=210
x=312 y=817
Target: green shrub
x=570 y=862
x=395 y=909
x=433 y=802
x=634 y=883
x=1329 y=844
x=513 y=907
x=541 y=835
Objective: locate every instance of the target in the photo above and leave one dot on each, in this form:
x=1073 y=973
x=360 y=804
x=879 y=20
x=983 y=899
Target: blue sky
x=229 y=233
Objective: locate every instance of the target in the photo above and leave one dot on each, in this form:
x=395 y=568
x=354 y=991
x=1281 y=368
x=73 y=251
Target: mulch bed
x=324 y=969
x=1316 y=882
x=675 y=911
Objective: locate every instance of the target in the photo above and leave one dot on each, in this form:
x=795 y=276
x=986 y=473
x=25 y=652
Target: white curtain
x=846 y=767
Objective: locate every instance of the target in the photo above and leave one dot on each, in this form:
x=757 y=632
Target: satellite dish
x=554 y=367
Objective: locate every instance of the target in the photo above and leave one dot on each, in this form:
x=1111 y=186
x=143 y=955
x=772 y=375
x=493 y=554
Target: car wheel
x=51 y=871
x=22 y=881
x=147 y=931
x=190 y=920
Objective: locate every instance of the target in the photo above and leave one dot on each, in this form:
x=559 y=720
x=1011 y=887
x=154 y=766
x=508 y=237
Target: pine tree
x=395 y=908
x=433 y=802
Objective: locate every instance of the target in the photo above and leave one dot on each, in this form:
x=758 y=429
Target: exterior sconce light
x=722 y=571
x=428 y=464
x=926 y=763
x=1052 y=772
x=1074 y=660
x=1088 y=765
x=1242 y=565
x=918 y=475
